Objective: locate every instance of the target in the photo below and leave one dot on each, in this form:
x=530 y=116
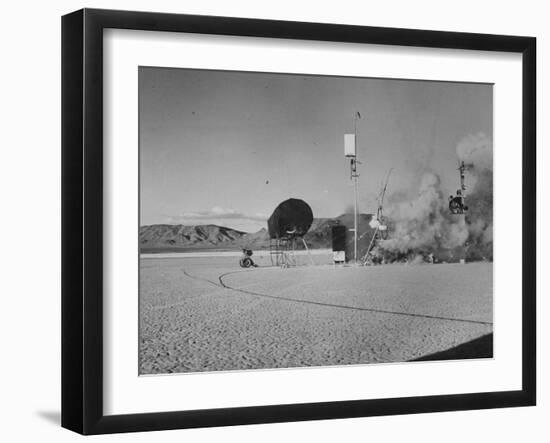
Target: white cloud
x=222 y=217
x=218 y=212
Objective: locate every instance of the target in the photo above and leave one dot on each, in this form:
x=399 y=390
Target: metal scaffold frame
x=282 y=251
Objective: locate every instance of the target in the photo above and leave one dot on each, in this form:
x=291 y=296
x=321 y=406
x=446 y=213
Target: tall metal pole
x=355 y=221
x=354 y=169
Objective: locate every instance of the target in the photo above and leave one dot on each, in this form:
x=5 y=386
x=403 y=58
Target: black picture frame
x=82 y=220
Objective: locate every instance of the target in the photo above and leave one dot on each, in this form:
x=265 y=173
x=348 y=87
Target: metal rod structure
x=355 y=219
x=355 y=176
x=366 y=256
x=308 y=252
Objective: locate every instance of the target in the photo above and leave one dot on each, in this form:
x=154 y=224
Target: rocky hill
x=172 y=238
x=169 y=237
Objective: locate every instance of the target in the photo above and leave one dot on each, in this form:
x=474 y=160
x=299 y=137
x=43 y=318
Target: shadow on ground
x=54 y=417
x=481 y=347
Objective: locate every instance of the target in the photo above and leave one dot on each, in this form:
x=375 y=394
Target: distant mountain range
x=173 y=238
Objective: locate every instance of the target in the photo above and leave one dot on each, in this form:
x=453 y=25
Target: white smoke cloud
x=423 y=225
x=477 y=150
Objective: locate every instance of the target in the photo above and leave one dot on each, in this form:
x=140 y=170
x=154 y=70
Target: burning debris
x=424 y=230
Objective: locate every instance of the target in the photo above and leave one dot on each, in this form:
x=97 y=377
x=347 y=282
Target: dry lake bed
x=205 y=313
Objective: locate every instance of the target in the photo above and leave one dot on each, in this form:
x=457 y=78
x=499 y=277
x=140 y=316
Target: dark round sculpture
x=292 y=218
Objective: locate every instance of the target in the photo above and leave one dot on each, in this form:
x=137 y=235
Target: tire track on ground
x=194 y=277
x=333 y=305
x=224 y=285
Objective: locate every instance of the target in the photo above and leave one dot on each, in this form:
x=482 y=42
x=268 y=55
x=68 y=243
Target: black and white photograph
x=290 y=220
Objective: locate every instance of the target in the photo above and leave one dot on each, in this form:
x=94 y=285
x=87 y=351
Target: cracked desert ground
x=207 y=314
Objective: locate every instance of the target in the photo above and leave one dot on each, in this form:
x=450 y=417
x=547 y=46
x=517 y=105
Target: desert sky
x=226 y=147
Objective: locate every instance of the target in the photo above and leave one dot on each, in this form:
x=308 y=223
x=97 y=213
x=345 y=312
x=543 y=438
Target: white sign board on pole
x=349 y=145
